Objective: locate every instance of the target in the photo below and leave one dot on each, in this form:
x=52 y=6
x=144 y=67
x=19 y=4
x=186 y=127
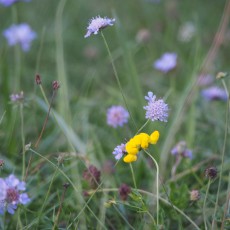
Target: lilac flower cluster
x=117 y=116
x=20 y=34
x=11 y=194
x=98 y=23
x=214 y=93
x=156 y=110
x=10 y=2
x=167 y=62
x=119 y=151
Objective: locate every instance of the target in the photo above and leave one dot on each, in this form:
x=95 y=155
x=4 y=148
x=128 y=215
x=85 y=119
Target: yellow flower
x=131 y=147
x=130 y=158
x=145 y=139
x=154 y=137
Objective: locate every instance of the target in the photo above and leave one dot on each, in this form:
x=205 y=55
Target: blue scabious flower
x=119 y=151
x=11 y=194
x=10 y=2
x=180 y=149
x=156 y=110
x=214 y=93
x=20 y=34
x=98 y=23
x=117 y=116
x=166 y=62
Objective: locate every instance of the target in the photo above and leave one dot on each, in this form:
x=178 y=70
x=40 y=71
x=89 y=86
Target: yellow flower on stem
x=154 y=137
x=130 y=158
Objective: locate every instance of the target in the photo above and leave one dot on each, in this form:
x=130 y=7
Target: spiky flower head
x=98 y=23
x=117 y=116
x=194 y=195
x=156 y=110
x=124 y=191
x=180 y=149
x=211 y=172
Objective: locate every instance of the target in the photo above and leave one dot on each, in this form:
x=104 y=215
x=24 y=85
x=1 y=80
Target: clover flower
x=98 y=23
x=20 y=34
x=194 y=195
x=10 y=2
x=156 y=110
x=180 y=149
x=124 y=191
x=11 y=194
x=117 y=116
x=214 y=93
x=119 y=151
x=138 y=142
x=166 y=62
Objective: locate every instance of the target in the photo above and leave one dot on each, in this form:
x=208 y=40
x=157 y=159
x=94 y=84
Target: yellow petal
x=154 y=137
x=130 y=158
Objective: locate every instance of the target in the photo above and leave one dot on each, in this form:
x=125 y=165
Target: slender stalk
x=157 y=183
x=222 y=155
x=117 y=78
x=23 y=141
x=204 y=205
x=133 y=176
x=142 y=126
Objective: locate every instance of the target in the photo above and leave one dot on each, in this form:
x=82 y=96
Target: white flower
x=98 y=23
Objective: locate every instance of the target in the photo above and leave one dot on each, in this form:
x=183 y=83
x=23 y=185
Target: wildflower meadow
x=114 y=114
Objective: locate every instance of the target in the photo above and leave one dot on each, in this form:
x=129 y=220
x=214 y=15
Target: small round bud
x=211 y=172
x=38 y=79
x=194 y=195
x=55 y=85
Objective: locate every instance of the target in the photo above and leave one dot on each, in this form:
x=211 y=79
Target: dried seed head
x=38 y=79
x=211 y=172
x=55 y=85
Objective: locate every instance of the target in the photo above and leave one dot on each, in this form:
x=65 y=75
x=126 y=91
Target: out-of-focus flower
x=124 y=191
x=194 y=195
x=205 y=80
x=143 y=36
x=117 y=116
x=10 y=2
x=156 y=110
x=20 y=34
x=119 y=151
x=214 y=93
x=166 y=62
x=180 y=149
x=18 y=97
x=211 y=172
x=138 y=142
x=11 y=194
x=98 y=23
x=186 y=32
x=93 y=176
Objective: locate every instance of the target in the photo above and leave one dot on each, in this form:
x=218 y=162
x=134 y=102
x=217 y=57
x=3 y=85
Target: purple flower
x=11 y=194
x=180 y=149
x=96 y=24
x=214 y=93
x=156 y=110
x=117 y=116
x=10 y=2
x=20 y=34
x=18 y=97
x=166 y=63
x=119 y=151
x=205 y=80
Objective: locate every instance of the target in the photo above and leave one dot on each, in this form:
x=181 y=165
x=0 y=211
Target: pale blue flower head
x=11 y=194
x=167 y=62
x=119 y=151
x=20 y=34
x=117 y=116
x=214 y=93
x=156 y=110
x=10 y=2
x=98 y=23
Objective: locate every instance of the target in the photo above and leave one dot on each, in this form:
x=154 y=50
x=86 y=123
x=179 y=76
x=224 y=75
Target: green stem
x=157 y=183
x=142 y=126
x=117 y=78
x=23 y=141
x=223 y=153
x=204 y=204
x=133 y=176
